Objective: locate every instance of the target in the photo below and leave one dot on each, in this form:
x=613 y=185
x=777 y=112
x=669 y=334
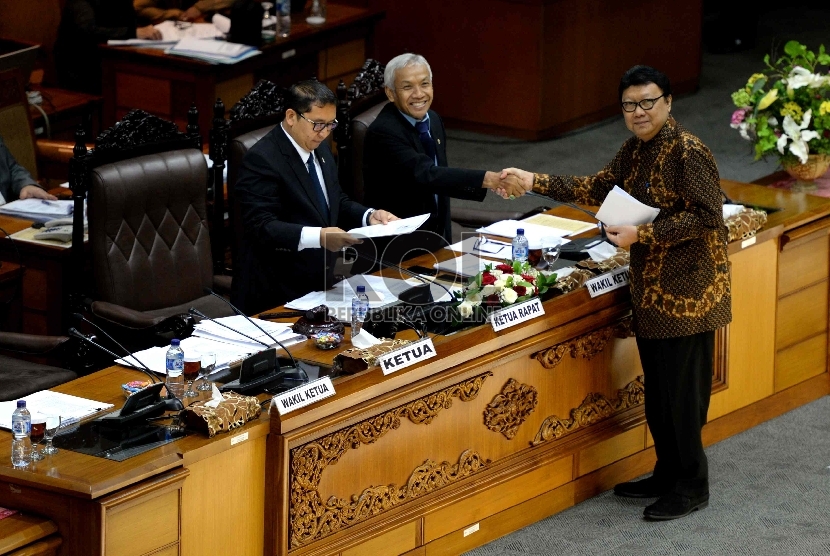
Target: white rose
x=488 y=290
x=465 y=309
x=509 y=296
x=474 y=299
x=497 y=273
x=499 y=284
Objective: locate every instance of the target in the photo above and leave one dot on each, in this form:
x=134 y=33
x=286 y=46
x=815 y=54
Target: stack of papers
x=172 y=32
x=573 y=227
x=38 y=210
x=217 y=52
x=480 y=245
x=228 y=345
x=621 y=209
x=533 y=232
x=70 y=408
x=467 y=265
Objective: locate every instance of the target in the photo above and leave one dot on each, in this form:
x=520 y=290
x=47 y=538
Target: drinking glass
x=53 y=423
x=38 y=430
x=192 y=367
x=551 y=248
x=208 y=365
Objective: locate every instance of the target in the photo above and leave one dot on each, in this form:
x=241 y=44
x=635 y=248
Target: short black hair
x=302 y=95
x=643 y=75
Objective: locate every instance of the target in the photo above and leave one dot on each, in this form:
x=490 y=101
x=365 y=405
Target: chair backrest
x=250 y=120
x=148 y=233
x=16 y=121
x=357 y=108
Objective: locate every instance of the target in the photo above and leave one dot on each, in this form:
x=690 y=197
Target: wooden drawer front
x=611 y=450
x=800 y=362
x=498 y=498
x=397 y=541
x=144 y=527
x=801 y=315
x=345 y=58
x=803 y=265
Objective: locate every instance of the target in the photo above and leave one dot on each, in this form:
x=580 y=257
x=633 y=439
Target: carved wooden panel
x=585 y=346
x=593 y=409
x=311 y=518
x=510 y=408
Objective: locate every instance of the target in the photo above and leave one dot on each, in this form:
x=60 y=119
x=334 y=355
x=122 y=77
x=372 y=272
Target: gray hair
x=400 y=62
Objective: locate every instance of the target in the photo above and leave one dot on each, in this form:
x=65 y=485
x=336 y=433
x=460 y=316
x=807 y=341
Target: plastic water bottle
x=520 y=246
x=175 y=368
x=21 y=428
x=283 y=17
x=360 y=305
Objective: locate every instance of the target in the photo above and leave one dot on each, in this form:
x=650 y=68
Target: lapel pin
x=439 y=141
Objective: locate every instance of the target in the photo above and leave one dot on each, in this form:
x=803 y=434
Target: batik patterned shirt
x=680 y=283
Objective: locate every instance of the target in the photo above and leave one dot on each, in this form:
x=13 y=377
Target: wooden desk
x=66 y=111
x=167 y=85
x=499 y=430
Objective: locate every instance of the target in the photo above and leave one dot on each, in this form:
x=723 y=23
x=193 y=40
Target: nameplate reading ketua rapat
x=406 y=356
x=304 y=395
x=608 y=282
x=517 y=314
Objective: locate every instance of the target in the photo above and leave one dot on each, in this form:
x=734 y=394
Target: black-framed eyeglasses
x=320 y=126
x=645 y=104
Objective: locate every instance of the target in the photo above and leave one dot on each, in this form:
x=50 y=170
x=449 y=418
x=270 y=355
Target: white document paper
x=621 y=209
x=602 y=251
x=171 y=31
x=558 y=223
x=394 y=228
x=480 y=245
x=467 y=265
x=70 y=408
x=533 y=232
x=39 y=210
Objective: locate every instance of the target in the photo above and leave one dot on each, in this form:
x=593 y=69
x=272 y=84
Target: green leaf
x=759 y=85
x=794 y=49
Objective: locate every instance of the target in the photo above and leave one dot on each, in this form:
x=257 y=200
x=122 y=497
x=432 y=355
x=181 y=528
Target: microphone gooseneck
x=196 y=312
x=79 y=316
x=249 y=319
x=75 y=333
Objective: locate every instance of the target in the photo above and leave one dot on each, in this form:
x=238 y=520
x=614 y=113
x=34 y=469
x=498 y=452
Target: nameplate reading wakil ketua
x=407 y=356
x=607 y=282
x=517 y=314
x=304 y=395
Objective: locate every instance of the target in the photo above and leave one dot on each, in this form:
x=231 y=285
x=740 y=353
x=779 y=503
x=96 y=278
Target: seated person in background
x=156 y=11
x=405 y=157
x=15 y=181
x=85 y=24
x=293 y=210
x=680 y=289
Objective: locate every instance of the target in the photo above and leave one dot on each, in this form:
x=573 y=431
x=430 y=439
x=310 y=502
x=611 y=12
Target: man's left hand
x=381 y=217
x=35 y=192
x=622 y=236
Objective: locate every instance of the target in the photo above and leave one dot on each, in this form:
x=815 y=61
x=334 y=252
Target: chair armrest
x=30 y=343
x=222 y=284
x=55 y=151
x=122 y=316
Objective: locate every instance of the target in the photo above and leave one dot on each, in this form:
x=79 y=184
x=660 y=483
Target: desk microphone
x=75 y=333
x=249 y=319
x=80 y=317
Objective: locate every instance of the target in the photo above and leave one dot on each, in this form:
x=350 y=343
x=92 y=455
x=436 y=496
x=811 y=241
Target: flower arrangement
x=502 y=285
x=786 y=107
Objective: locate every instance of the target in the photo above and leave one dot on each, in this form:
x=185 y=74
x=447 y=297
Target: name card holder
x=517 y=314
x=304 y=395
x=407 y=356
x=607 y=282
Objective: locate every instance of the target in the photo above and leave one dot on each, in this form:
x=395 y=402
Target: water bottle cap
x=174 y=342
x=520 y=232
x=21 y=403
x=361 y=289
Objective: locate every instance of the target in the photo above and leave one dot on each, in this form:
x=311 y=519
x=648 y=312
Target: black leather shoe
x=674 y=505
x=644 y=488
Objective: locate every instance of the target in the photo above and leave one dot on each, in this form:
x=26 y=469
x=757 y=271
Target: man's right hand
x=149 y=32
x=526 y=178
x=334 y=239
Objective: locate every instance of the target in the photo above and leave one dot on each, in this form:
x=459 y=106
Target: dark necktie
x=426 y=140
x=318 y=187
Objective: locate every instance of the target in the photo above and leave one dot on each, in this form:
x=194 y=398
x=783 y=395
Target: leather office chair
x=20 y=377
x=250 y=120
x=148 y=232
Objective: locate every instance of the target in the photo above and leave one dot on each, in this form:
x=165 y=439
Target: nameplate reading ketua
x=407 y=356
x=304 y=395
x=517 y=314
x=608 y=282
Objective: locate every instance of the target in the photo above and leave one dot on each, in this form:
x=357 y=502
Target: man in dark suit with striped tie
x=293 y=210
x=405 y=165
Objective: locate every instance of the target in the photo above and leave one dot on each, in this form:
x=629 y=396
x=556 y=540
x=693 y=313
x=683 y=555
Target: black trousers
x=678 y=385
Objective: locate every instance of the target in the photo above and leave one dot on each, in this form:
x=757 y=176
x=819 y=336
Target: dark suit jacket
x=13 y=176
x=276 y=200
x=400 y=177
